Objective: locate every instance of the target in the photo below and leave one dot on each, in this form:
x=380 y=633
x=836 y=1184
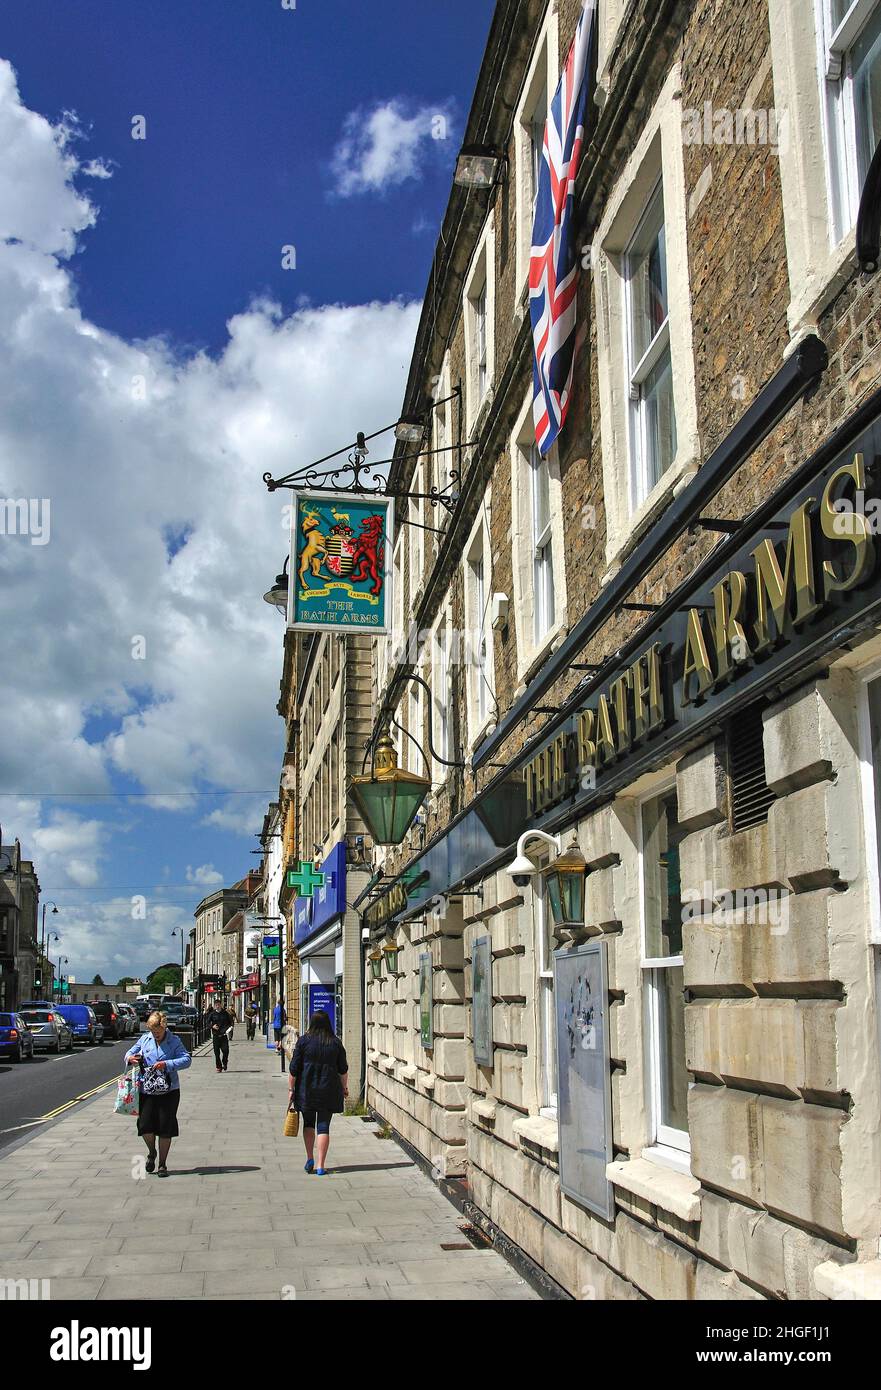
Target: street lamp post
x=53 y=936
x=179 y=931
x=43 y=936
x=62 y=960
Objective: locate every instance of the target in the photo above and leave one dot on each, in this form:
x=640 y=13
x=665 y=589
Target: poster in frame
x=426 y=1002
x=340 y=573
x=584 y=1097
x=482 y=1000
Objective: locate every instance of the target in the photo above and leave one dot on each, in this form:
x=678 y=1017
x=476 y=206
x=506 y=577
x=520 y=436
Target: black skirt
x=158 y=1115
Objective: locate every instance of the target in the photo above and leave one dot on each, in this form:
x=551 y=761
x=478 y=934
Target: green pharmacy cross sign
x=305 y=879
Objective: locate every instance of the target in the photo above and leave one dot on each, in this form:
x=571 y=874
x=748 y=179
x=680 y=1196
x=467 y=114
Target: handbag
x=291 y=1123
x=155 y=1083
x=128 y=1097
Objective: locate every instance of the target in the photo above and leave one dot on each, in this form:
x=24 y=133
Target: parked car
x=134 y=1023
x=146 y=1003
x=115 y=1025
x=16 y=1040
x=82 y=1022
x=48 y=1029
x=176 y=1015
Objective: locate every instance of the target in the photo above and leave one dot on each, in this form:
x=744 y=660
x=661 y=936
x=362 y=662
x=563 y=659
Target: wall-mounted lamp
x=278 y=594
x=375 y=959
x=522 y=868
x=390 y=950
x=564 y=880
x=479 y=166
x=410 y=429
x=389 y=798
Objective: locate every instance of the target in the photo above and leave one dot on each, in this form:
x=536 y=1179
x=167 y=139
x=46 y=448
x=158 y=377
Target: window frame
x=441 y=695
x=657 y=157
x=480 y=280
x=836 y=45
x=642 y=466
x=872 y=830
x=529 y=652
x=547 y=1018
x=671 y=1145
x=480 y=676
x=542 y=76
x=544 y=607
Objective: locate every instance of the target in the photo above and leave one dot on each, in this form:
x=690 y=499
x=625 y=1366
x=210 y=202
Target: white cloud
x=206 y=875
x=388 y=144
x=133 y=442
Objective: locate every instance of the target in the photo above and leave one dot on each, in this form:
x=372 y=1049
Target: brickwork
x=784 y=1108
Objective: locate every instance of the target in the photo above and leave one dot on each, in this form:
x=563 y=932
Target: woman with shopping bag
x=159 y=1055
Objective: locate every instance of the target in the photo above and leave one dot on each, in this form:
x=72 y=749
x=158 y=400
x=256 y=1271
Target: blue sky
x=159 y=262
x=244 y=104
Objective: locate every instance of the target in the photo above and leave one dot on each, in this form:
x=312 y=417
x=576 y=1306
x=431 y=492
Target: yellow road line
x=85 y=1096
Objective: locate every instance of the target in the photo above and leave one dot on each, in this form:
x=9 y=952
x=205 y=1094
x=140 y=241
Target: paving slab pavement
x=237 y=1217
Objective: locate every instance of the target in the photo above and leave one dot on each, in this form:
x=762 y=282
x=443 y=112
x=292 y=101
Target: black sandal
x=151 y=1162
x=162 y=1171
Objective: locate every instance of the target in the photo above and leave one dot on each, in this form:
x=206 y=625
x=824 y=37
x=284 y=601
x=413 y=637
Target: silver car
x=48 y=1030
x=133 y=1020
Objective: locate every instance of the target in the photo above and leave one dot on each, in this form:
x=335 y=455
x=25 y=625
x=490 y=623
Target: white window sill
x=675 y=1192
x=483 y=1112
x=680 y=473
x=536 y=656
x=480 y=733
x=853 y=1282
x=820 y=288
x=535 y=1130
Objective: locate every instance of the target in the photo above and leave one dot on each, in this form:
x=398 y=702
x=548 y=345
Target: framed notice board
x=584 y=1093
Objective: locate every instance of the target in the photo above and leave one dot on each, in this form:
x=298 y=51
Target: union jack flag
x=553 y=261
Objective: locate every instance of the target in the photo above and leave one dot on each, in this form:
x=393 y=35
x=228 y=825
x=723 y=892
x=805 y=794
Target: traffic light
x=38 y=980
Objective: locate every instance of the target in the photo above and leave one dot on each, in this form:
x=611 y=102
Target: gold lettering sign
x=697 y=662
x=855 y=531
x=773 y=587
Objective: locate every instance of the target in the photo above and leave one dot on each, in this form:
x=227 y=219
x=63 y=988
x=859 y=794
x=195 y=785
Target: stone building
x=327 y=707
x=213 y=915
x=660 y=645
x=19 y=947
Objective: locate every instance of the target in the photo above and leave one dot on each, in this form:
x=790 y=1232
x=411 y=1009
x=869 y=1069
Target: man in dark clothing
x=219 y=1021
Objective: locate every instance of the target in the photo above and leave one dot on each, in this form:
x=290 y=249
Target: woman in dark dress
x=319 y=1084
x=161 y=1053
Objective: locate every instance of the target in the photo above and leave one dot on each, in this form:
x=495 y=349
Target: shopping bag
x=128 y=1097
x=292 y=1124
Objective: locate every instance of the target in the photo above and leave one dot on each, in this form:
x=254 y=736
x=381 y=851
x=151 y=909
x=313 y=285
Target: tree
x=127 y=980
x=98 y=981
x=165 y=977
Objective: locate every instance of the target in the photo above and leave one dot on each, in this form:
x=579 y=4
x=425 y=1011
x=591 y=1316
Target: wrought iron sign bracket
x=361 y=479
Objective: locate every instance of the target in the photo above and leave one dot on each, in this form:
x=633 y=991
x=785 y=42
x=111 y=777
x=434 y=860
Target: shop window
x=649 y=364
x=750 y=795
x=416 y=517
x=662 y=972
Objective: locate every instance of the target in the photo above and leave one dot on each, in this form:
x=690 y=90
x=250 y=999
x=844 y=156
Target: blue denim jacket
x=170 y=1050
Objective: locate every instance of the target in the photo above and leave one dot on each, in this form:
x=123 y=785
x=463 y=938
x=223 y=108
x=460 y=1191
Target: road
x=31 y=1092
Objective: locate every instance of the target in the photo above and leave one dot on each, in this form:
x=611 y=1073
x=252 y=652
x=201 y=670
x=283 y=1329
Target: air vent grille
x=750 y=794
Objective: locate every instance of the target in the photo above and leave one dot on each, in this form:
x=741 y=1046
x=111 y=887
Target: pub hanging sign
x=340 y=569
x=784 y=597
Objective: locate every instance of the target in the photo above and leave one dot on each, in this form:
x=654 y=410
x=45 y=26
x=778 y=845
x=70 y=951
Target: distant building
x=19 y=897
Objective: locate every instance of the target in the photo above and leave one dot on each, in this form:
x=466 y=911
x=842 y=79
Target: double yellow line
x=76 y=1100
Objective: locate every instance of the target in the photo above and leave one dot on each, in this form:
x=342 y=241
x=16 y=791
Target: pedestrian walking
x=251 y=1021
x=319 y=1083
x=159 y=1056
x=220 y=1022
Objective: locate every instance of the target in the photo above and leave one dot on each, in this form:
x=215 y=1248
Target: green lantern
x=564 y=881
x=375 y=959
x=390 y=797
x=390 y=951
